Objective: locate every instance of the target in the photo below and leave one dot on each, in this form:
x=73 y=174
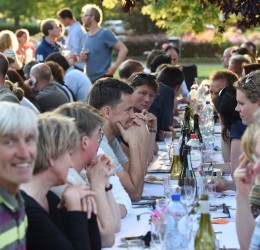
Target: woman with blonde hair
x=53 y=223
x=8 y=46
x=248 y=228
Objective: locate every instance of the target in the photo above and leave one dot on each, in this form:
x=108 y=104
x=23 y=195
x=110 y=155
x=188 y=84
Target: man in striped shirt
x=18 y=149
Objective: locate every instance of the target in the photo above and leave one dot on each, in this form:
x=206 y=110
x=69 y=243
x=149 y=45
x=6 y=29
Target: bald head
x=41 y=72
x=129 y=67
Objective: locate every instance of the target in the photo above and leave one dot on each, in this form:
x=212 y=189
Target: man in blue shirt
x=51 y=30
x=100 y=43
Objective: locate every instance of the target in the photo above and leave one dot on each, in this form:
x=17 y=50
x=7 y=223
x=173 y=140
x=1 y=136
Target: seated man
x=89 y=124
x=128 y=67
x=114 y=100
x=47 y=94
x=145 y=89
x=18 y=149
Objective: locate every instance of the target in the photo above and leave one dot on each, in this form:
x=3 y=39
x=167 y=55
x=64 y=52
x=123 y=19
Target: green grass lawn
x=204 y=70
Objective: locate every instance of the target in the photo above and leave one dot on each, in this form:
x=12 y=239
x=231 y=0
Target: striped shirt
x=13 y=222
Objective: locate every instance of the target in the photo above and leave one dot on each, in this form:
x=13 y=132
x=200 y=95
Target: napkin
x=219 y=221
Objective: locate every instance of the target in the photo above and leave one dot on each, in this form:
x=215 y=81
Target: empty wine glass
x=189 y=191
x=167 y=136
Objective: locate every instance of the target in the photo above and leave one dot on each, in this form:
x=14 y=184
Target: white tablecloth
x=132 y=227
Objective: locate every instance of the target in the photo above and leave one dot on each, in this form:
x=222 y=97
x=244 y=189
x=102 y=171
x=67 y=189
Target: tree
x=189 y=15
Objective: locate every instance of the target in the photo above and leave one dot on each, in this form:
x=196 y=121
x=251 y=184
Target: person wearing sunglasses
x=232 y=126
x=248 y=228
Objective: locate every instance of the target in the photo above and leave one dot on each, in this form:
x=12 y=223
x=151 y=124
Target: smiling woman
x=18 y=137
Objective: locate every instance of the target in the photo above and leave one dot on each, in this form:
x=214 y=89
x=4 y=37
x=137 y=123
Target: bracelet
x=109 y=187
x=153 y=130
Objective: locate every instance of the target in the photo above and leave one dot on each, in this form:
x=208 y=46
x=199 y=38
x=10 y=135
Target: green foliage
x=33 y=28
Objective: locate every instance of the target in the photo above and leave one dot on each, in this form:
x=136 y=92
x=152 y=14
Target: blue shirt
x=162 y=107
x=44 y=49
x=78 y=83
x=237 y=130
x=100 y=46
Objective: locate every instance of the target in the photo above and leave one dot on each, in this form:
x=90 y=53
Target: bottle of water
x=177 y=224
x=208 y=126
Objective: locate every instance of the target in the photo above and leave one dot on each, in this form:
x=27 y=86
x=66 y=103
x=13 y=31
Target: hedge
x=33 y=28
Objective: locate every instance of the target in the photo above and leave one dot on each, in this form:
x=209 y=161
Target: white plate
x=158 y=180
x=229 y=192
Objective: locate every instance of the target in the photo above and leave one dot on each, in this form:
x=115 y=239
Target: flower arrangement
x=158 y=215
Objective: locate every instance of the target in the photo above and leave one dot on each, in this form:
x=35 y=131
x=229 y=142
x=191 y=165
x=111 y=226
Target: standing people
x=18 y=149
x=5 y=93
x=51 y=30
x=100 y=43
x=75 y=30
x=25 y=49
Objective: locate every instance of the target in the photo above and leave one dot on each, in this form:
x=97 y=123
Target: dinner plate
x=155 y=181
x=229 y=192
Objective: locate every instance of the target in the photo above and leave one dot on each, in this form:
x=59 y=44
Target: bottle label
x=196 y=158
x=204 y=207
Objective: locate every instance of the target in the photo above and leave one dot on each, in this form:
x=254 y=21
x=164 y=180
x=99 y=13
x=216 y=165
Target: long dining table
x=137 y=222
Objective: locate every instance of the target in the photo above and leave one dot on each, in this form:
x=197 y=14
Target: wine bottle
x=187 y=121
x=184 y=140
x=186 y=170
x=205 y=237
x=196 y=128
x=176 y=162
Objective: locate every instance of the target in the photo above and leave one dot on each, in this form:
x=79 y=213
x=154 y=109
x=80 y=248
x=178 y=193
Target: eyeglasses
x=100 y=135
x=87 y=15
x=143 y=76
x=249 y=79
x=220 y=92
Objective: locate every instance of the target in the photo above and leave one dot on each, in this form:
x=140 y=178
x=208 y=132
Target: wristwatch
x=109 y=187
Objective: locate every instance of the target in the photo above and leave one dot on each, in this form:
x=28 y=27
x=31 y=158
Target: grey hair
x=16 y=119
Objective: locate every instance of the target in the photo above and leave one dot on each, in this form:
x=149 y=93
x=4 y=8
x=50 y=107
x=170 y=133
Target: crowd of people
x=75 y=142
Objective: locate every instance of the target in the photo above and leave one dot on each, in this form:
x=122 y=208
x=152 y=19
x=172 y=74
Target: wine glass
x=189 y=190
x=85 y=51
x=167 y=136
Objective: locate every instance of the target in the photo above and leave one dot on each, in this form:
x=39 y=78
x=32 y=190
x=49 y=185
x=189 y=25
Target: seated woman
x=248 y=228
x=248 y=102
x=54 y=223
x=232 y=126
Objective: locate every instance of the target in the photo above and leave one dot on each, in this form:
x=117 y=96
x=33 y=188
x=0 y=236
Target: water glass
x=158 y=228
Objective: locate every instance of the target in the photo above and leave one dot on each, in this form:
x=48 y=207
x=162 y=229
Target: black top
x=59 y=229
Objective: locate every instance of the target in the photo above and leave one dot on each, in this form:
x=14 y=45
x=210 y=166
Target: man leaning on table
x=18 y=149
x=114 y=100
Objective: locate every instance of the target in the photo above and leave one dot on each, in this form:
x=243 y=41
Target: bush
x=33 y=28
x=138 y=45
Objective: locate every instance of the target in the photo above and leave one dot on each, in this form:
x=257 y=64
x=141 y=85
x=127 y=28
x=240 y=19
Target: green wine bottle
x=176 y=162
x=205 y=237
x=186 y=170
x=196 y=128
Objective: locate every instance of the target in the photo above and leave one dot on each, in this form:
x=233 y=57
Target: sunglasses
x=143 y=76
x=250 y=80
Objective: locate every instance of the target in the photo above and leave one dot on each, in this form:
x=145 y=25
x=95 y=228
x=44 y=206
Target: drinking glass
x=85 y=50
x=167 y=136
x=189 y=190
x=158 y=228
